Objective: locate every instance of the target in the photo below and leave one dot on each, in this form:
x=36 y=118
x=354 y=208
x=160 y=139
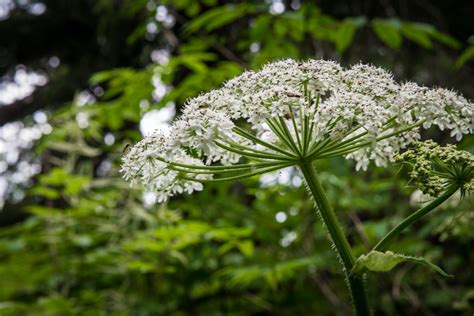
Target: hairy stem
x=414 y=218
x=342 y=247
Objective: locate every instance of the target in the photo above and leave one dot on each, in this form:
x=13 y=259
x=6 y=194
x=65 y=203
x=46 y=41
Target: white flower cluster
x=140 y=164
x=360 y=112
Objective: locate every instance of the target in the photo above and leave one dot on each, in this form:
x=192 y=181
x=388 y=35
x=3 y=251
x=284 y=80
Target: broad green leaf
x=344 y=36
x=55 y=176
x=418 y=33
x=75 y=184
x=246 y=247
x=59 y=176
x=385 y=261
x=101 y=76
x=193 y=8
x=422 y=34
x=45 y=191
x=195 y=61
x=43 y=211
x=229 y=233
x=445 y=39
x=273 y=274
x=140 y=266
x=294 y=22
x=259 y=27
x=323 y=27
x=217 y=17
x=388 y=31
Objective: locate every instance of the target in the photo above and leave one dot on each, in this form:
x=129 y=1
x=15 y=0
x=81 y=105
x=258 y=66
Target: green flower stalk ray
x=436 y=171
x=292 y=113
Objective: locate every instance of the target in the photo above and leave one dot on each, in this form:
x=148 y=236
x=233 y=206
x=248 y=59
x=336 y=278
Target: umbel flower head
x=289 y=112
x=436 y=168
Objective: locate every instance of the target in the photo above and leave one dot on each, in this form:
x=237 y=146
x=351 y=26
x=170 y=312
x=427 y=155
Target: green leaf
x=323 y=27
x=466 y=55
x=218 y=17
x=385 y=261
x=56 y=176
x=345 y=34
x=75 y=184
x=101 y=76
x=445 y=39
x=246 y=247
x=271 y=274
x=194 y=61
x=422 y=34
x=43 y=211
x=140 y=266
x=45 y=192
x=388 y=31
x=418 y=33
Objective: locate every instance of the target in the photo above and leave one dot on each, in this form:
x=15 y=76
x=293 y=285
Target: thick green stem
x=413 y=218
x=342 y=247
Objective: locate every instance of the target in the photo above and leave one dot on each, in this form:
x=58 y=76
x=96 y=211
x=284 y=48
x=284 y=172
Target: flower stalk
x=341 y=245
x=410 y=220
x=436 y=171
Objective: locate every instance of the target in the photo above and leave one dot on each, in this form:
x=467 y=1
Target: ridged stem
x=342 y=247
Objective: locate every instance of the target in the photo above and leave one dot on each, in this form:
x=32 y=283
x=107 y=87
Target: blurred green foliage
x=91 y=246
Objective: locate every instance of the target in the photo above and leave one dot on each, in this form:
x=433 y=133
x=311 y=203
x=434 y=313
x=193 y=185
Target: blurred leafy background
x=81 y=79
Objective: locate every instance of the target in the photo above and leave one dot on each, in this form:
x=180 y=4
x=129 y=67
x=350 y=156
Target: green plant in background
x=90 y=245
x=299 y=112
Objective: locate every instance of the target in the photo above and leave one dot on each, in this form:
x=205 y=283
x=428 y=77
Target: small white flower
x=360 y=112
x=141 y=165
